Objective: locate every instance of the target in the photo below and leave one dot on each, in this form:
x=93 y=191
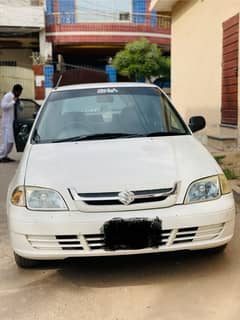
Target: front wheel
x=24 y=262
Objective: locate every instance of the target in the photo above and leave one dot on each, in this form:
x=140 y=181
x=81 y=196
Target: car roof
x=105 y=85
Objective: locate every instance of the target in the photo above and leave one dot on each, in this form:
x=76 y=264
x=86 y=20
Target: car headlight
x=207 y=189
x=224 y=184
x=35 y=198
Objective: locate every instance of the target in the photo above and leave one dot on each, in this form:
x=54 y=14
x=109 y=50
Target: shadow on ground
x=139 y=269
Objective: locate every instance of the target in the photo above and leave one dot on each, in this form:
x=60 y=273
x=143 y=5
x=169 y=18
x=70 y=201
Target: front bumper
x=59 y=235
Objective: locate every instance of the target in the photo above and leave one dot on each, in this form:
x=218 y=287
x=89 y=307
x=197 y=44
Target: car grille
x=70 y=242
x=112 y=198
x=92 y=242
x=125 y=200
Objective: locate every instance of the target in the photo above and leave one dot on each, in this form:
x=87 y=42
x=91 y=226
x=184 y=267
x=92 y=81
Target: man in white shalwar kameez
x=7 y=106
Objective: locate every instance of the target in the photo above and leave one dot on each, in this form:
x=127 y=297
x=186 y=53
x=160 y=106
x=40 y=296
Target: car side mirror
x=197 y=123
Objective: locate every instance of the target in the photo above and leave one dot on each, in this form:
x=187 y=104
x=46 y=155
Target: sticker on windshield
x=107 y=90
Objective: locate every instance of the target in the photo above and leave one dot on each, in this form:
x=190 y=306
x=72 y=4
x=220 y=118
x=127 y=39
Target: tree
x=142 y=59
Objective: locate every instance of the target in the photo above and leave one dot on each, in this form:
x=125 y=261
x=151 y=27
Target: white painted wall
x=22 y=74
x=21 y=56
x=19 y=15
x=12 y=75
x=16 y=2
x=20 y=3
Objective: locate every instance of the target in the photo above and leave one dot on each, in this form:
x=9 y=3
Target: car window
x=172 y=119
x=130 y=110
x=26 y=109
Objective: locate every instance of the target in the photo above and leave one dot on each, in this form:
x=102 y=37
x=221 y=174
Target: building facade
x=41 y=36
x=88 y=32
x=21 y=27
x=205 y=63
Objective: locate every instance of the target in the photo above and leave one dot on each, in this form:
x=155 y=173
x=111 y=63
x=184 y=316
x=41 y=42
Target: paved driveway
x=162 y=287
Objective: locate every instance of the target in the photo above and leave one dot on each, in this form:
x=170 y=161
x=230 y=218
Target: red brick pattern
x=229 y=107
x=55 y=5
x=38 y=69
x=124 y=27
x=39 y=93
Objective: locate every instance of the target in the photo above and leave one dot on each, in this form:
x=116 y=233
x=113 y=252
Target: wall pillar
x=45 y=47
x=39 y=88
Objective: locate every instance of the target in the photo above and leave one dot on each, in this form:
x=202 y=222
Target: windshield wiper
x=98 y=136
x=164 y=134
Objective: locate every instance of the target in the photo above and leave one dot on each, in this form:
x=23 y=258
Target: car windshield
x=106 y=113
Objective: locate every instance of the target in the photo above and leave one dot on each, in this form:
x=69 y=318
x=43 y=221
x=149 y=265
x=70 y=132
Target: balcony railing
x=76 y=17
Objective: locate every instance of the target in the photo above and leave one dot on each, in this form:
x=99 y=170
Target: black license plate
x=137 y=233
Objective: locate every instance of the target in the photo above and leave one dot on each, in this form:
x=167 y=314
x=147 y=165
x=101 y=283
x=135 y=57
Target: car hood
x=121 y=164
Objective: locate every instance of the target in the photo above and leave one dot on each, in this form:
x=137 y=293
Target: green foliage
x=142 y=59
x=230 y=174
x=219 y=159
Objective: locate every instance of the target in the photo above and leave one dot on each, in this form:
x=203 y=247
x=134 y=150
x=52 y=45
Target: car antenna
x=58 y=82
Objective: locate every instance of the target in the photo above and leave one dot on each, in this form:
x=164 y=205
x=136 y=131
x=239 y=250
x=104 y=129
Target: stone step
x=222 y=142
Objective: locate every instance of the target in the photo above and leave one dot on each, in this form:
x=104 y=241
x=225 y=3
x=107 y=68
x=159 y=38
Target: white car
x=112 y=169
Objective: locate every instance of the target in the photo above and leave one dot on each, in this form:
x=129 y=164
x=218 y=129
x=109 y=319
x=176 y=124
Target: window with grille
x=103 y=10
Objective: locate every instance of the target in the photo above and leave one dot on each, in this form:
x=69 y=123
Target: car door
x=25 y=113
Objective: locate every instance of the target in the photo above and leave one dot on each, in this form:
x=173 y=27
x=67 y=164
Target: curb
x=235 y=184
x=236 y=195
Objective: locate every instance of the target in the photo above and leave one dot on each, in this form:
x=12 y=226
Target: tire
x=24 y=262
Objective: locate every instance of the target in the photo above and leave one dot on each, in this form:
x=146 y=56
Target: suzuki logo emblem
x=126 y=197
